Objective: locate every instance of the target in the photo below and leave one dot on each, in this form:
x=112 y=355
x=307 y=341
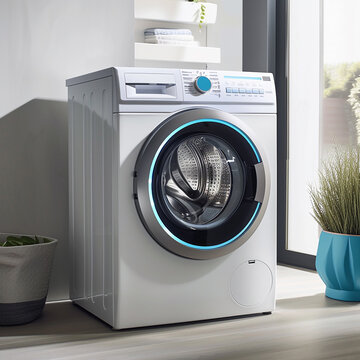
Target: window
x=321 y=94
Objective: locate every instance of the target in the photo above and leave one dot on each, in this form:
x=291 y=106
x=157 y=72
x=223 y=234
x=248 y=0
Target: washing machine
x=172 y=182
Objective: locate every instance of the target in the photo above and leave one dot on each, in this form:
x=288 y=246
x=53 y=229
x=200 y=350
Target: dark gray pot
x=24 y=280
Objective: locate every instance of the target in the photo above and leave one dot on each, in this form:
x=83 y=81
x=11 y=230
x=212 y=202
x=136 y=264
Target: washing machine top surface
x=167 y=90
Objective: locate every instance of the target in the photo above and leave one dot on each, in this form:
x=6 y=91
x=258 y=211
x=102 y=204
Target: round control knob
x=202 y=84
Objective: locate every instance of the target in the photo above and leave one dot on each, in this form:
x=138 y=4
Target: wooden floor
x=305 y=325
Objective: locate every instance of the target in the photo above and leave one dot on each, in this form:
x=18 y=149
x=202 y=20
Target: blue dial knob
x=202 y=84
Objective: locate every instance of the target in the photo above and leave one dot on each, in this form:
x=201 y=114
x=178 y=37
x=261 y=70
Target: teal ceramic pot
x=338 y=264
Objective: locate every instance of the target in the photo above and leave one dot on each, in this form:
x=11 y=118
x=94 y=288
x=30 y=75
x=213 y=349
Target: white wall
x=141 y=25
x=226 y=33
x=42 y=43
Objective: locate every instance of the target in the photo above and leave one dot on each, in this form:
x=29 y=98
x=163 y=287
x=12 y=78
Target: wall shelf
x=177 y=53
x=174 y=11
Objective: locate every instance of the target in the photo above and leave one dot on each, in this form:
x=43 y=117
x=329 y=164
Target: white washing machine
x=172 y=194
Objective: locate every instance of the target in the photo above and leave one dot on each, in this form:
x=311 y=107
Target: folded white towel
x=169 y=37
x=172 y=42
x=167 y=31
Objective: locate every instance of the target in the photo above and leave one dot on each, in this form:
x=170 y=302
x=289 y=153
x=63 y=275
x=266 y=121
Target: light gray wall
x=141 y=25
x=226 y=33
x=42 y=43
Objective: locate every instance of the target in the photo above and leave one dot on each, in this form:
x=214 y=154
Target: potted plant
x=25 y=266
x=336 y=207
x=202 y=12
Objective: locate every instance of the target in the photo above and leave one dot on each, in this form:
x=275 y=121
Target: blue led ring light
x=152 y=203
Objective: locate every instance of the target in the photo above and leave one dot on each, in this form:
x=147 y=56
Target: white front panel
x=158 y=287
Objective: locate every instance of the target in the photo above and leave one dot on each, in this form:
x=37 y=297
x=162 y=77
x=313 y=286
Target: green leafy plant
x=341 y=82
x=354 y=101
x=336 y=201
x=23 y=240
x=339 y=79
x=202 y=12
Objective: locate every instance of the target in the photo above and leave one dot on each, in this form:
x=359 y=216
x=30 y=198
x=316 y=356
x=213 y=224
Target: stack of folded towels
x=170 y=37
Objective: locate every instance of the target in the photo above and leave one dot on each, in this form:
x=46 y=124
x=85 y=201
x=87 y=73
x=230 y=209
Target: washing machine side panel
x=91 y=141
x=158 y=287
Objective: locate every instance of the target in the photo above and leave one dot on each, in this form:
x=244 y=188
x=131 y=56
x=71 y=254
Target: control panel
x=226 y=86
x=191 y=80
x=138 y=89
x=244 y=85
x=205 y=87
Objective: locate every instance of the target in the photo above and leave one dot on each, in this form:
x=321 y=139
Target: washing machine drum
x=197 y=180
x=201 y=185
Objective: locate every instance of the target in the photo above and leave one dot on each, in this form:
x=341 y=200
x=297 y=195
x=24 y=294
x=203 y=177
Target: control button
x=235 y=90
x=242 y=91
x=202 y=84
x=248 y=91
x=255 y=91
x=229 y=90
x=261 y=91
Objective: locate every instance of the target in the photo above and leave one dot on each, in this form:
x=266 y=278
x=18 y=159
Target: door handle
x=260 y=182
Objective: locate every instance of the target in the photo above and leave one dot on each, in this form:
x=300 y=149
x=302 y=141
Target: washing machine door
x=201 y=184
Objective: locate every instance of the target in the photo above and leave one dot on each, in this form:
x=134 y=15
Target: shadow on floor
x=62 y=318
x=59 y=322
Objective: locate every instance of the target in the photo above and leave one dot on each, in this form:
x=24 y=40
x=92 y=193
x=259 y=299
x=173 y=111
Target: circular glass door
x=201 y=177
x=200 y=184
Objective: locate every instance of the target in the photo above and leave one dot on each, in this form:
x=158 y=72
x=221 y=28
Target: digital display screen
x=242 y=77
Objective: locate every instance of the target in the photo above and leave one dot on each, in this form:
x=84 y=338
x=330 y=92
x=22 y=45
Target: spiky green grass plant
x=336 y=200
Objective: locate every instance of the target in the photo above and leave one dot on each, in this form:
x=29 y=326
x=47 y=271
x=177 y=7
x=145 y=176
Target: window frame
x=285 y=256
